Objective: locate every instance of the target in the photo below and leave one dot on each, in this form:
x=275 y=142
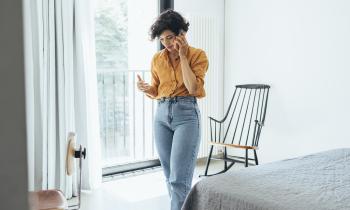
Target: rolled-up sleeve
x=199 y=67
x=154 y=77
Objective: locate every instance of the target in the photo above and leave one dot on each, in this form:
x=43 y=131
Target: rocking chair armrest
x=215 y=120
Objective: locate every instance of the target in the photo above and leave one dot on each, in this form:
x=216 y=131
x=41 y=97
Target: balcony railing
x=126 y=118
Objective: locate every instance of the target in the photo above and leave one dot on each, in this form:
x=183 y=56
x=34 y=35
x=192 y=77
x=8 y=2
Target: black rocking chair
x=242 y=129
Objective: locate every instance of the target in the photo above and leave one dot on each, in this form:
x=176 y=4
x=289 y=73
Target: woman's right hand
x=143 y=86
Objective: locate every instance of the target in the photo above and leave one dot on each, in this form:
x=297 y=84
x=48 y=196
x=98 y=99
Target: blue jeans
x=177 y=136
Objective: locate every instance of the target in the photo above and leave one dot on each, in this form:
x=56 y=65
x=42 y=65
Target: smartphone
x=181 y=32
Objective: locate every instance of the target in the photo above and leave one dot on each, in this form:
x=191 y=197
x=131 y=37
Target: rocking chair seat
x=233 y=145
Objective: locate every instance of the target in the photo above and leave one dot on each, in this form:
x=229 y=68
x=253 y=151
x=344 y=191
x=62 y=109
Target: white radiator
x=204 y=33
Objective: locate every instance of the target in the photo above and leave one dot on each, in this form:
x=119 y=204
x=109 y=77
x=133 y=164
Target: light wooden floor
x=145 y=191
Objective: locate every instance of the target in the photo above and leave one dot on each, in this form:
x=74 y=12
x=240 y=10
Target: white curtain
x=61 y=91
x=86 y=105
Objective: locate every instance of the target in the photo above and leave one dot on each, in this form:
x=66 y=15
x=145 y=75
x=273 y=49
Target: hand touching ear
x=181 y=44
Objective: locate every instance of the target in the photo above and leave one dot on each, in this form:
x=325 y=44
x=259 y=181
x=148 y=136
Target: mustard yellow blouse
x=168 y=80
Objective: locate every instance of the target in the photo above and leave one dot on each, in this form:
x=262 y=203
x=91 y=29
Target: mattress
x=318 y=181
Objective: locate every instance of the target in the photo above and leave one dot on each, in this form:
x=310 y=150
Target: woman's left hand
x=182 y=45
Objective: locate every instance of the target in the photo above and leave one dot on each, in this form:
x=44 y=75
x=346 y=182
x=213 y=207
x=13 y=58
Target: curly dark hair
x=168 y=20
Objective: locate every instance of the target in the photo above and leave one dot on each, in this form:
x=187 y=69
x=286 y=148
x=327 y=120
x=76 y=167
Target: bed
x=313 y=182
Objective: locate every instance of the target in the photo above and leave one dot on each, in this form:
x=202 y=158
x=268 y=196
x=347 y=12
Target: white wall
x=13 y=167
x=201 y=7
x=302 y=49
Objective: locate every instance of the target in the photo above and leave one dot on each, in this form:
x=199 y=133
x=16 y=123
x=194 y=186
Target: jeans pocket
x=186 y=105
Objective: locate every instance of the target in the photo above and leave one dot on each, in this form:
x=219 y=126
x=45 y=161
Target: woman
x=178 y=73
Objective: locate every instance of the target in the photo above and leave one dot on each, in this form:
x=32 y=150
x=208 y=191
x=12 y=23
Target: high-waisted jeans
x=177 y=135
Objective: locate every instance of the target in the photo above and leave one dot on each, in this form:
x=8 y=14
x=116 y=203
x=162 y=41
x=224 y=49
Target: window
x=123 y=50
